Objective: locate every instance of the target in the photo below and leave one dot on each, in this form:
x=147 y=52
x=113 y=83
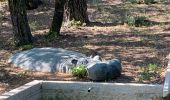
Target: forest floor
x=138 y=48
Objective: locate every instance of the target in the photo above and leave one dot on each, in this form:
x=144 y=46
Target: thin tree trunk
x=58 y=17
x=76 y=10
x=21 y=29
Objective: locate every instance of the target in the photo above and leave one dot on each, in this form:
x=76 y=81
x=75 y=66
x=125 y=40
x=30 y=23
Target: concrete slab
x=29 y=91
x=63 y=90
x=101 y=91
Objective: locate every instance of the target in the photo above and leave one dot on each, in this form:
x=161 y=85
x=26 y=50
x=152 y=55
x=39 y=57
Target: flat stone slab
x=43 y=59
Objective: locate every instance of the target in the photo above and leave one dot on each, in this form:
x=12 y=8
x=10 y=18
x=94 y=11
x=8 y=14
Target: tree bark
x=21 y=29
x=76 y=10
x=58 y=17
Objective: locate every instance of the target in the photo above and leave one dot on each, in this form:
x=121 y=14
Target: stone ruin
x=61 y=60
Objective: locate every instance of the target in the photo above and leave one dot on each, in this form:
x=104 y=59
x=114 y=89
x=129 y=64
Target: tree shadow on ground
x=107 y=14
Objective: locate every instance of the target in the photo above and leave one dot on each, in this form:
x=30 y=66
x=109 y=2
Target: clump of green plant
x=33 y=25
x=45 y=2
x=148 y=72
x=134 y=1
x=142 y=21
x=79 y=71
x=131 y=21
x=138 y=21
x=149 y=1
x=142 y=1
x=26 y=47
x=51 y=36
x=152 y=68
x=22 y=74
x=76 y=23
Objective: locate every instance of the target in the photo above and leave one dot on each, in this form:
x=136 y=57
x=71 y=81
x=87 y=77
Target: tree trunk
x=58 y=17
x=76 y=10
x=21 y=29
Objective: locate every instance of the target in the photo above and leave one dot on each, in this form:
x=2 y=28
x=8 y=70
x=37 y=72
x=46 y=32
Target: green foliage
x=22 y=74
x=77 y=23
x=33 y=25
x=45 y=4
x=142 y=1
x=138 y=21
x=141 y=21
x=51 y=36
x=152 y=68
x=131 y=21
x=79 y=71
x=163 y=1
x=134 y=1
x=145 y=75
x=148 y=72
x=26 y=47
x=149 y=1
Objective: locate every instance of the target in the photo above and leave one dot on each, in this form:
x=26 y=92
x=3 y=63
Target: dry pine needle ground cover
x=142 y=50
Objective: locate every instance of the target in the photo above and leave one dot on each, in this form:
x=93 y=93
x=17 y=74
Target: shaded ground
x=137 y=47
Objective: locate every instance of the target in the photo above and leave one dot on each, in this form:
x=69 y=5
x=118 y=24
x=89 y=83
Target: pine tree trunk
x=76 y=10
x=58 y=17
x=21 y=29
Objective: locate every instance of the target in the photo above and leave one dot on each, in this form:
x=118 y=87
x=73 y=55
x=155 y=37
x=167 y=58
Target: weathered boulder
x=114 y=68
x=60 y=60
x=100 y=71
x=97 y=71
x=45 y=59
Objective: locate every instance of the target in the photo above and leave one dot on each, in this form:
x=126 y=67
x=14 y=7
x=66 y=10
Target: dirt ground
x=109 y=35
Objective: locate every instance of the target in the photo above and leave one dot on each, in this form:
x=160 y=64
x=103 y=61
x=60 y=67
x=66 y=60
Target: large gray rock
x=97 y=71
x=60 y=60
x=45 y=59
x=114 y=68
x=107 y=70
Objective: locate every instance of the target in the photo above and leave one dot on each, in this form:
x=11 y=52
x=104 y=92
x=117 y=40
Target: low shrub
x=51 y=36
x=138 y=21
x=149 y=1
x=75 y=23
x=148 y=72
x=131 y=21
x=135 y=1
x=79 y=71
x=26 y=47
